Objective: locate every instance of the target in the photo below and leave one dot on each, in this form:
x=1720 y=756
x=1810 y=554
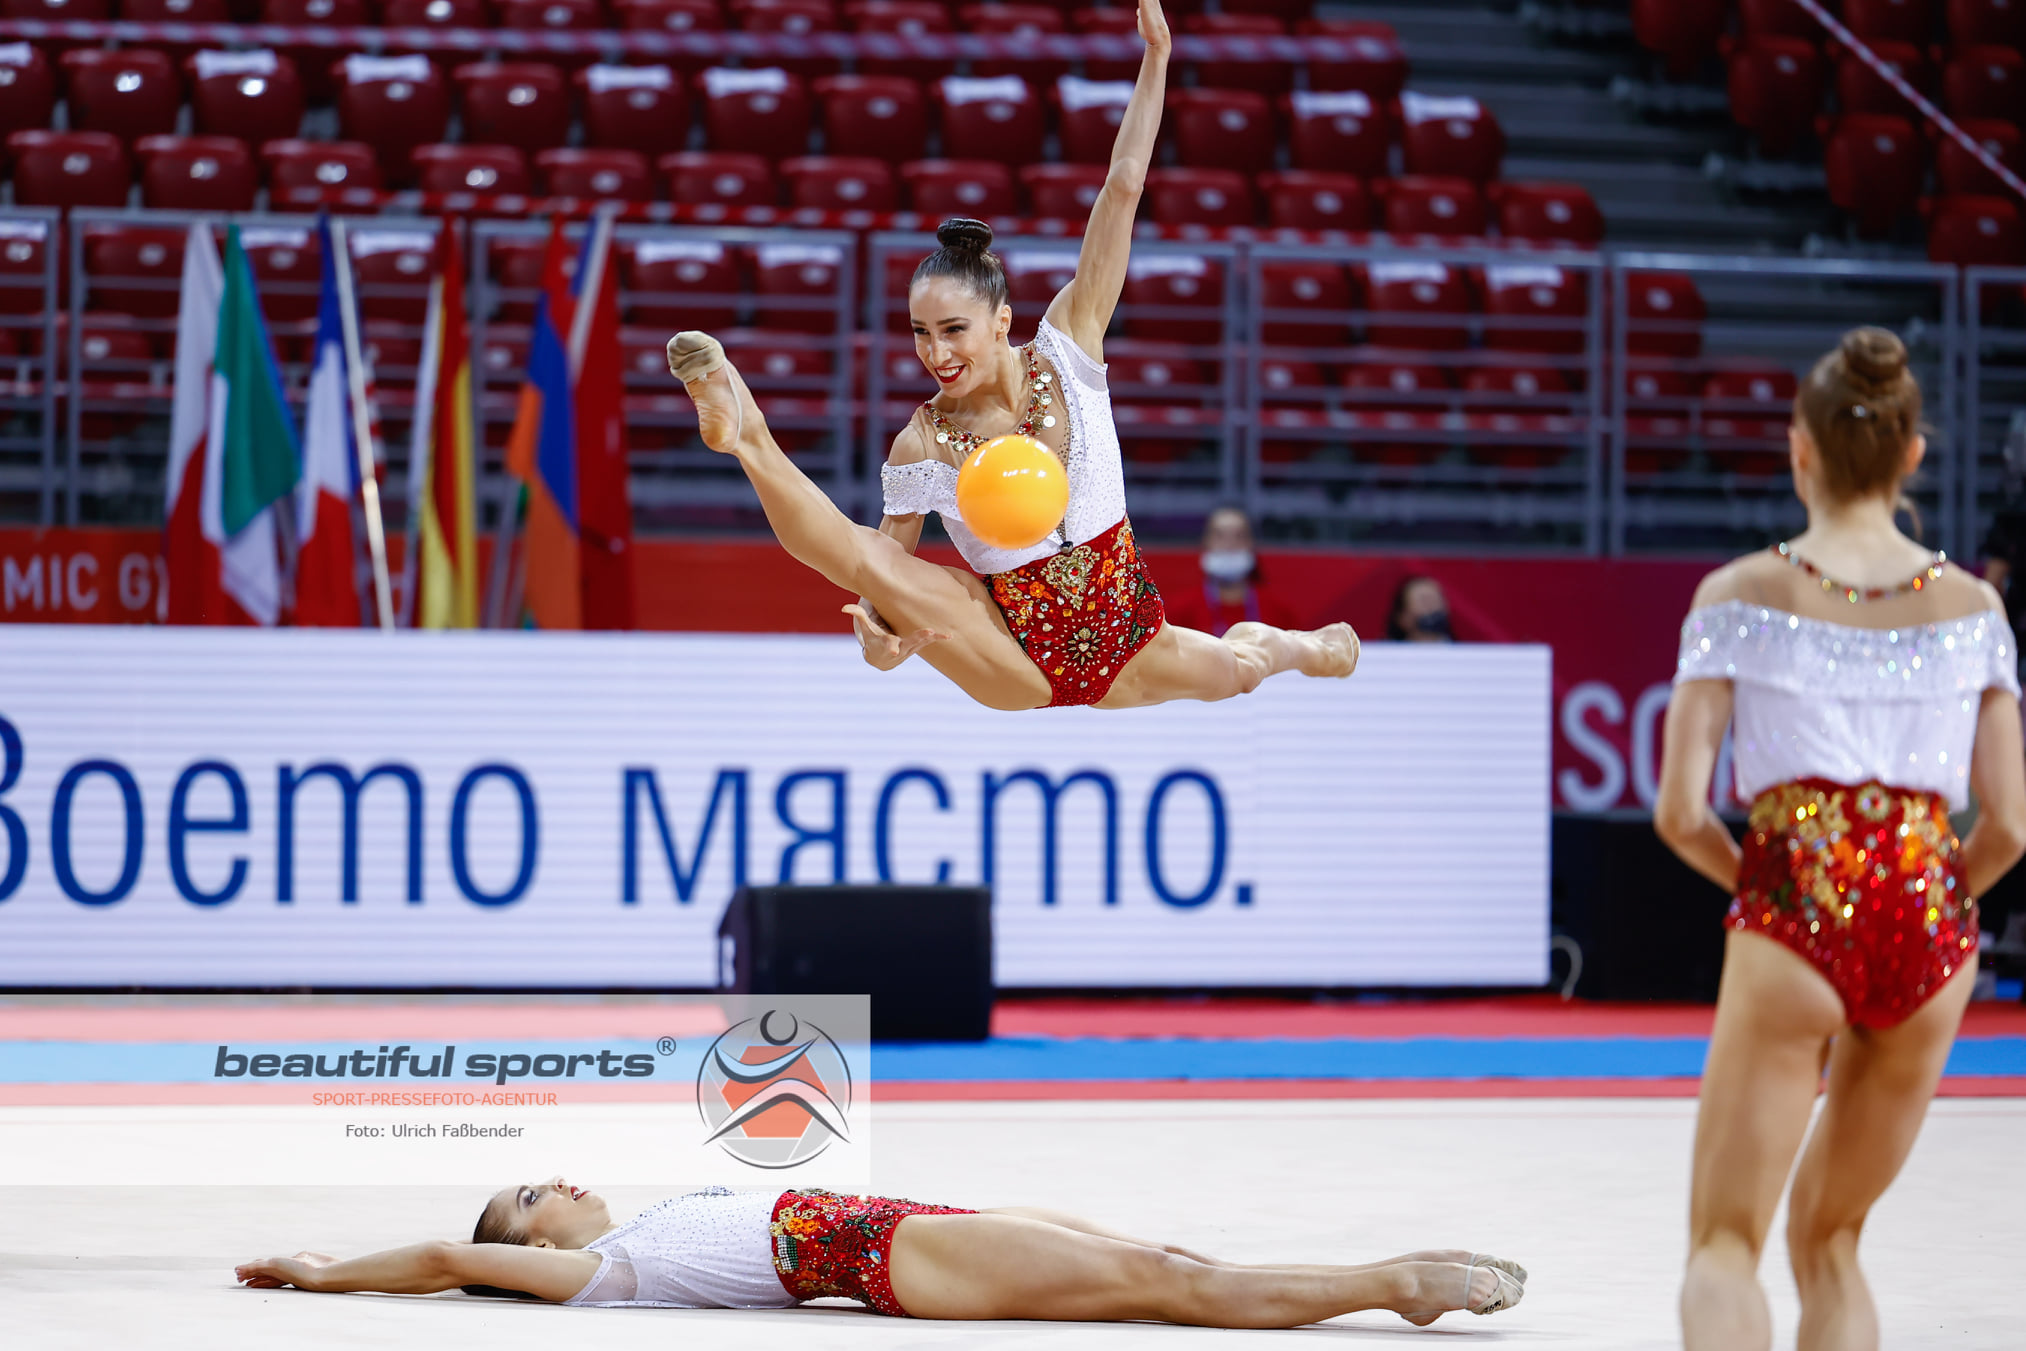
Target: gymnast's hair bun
x=965 y=235
x=1874 y=357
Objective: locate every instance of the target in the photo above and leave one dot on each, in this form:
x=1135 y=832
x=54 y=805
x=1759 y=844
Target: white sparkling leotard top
x=1097 y=481
x=1816 y=699
x=707 y=1250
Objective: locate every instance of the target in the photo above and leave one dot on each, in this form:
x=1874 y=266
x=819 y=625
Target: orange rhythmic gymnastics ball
x=1012 y=491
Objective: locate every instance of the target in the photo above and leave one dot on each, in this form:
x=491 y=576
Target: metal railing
x=1369 y=392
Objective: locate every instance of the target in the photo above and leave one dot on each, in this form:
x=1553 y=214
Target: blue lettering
x=11 y=758
x=1050 y=791
x=831 y=835
x=638 y=781
x=1217 y=833
x=349 y=788
x=59 y=832
x=882 y=839
x=181 y=825
x=531 y=839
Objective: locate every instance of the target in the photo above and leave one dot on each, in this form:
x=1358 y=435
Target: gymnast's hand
x=271 y=1273
x=884 y=650
x=1154 y=27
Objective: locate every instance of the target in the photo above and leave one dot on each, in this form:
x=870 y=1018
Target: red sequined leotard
x=1080 y=603
x=1852 y=744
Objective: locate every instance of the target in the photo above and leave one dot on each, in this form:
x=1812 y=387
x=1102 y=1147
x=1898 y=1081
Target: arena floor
x=1588 y=1193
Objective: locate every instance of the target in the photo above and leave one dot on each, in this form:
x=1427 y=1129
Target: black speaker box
x=924 y=954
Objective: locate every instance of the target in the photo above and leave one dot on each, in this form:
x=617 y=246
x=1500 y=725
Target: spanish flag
x=440 y=459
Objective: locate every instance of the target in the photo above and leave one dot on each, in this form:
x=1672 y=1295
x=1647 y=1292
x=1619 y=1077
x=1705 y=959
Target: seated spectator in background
x=1232 y=590
x=1420 y=613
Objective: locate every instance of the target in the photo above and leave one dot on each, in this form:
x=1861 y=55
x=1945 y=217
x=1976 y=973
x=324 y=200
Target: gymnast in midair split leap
x=718 y=1248
x=1074 y=619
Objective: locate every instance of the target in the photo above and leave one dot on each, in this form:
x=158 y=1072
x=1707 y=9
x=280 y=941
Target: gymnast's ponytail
x=966 y=256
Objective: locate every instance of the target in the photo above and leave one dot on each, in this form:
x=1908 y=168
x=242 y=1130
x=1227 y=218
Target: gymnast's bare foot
x=1330 y=651
x=724 y=406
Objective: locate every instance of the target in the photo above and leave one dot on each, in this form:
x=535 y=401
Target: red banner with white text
x=1612 y=623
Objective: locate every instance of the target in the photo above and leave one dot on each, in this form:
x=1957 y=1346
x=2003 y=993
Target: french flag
x=327 y=591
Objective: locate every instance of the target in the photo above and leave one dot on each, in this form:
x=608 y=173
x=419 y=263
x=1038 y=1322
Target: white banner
x=210 y=807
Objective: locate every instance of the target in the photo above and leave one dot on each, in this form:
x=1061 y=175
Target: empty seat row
x=1686 y=33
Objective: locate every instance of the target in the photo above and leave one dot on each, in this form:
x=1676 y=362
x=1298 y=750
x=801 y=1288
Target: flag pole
x=362 y=427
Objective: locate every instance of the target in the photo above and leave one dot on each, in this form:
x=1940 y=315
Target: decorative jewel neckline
x=1040 y=399
x=1918 y=582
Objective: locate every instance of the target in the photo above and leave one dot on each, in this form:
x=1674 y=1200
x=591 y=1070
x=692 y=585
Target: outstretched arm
x=429 y=1267
x=1083 y=309
x=884 y=649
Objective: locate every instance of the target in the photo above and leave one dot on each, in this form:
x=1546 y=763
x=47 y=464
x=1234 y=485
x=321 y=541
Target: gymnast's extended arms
x=1697 y=717
x=1083 y=309
x=884 y=649
x=428 y=1267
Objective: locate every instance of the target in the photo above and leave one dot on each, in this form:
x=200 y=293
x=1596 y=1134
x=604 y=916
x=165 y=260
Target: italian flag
x=233 y=452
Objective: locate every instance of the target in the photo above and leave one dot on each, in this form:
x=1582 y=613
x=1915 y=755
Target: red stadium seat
x=1547 y=212
x=873 y=116
x=287 y=266
x=998 y=119
x=1305 y=285
x=319 y=164
x=555 y=16
x=252 y=95
x=129 y=93
x=640 y=108
x=1199 y=197
x=840 y=182
x=1682 y=33
x=1417 y=306
x=24 y=251
x=1377 y=66
x=522 y=104
x=1155 y=389
x=435 y=13
x=1405 y=399
x=1265 y=77
x=57 y=11
x=1450 y=137
x=1860 y=90
x=516 y=264
x=1089 y=113
x=1875 y=168
x=1020 y=21
x=1998 y=23
x=756 y=112
x=1433 y=206
x=1775 y=89
x=393 y=353
x=393 y=269
x=177 y=11
x=471 y=168
x=1664 y=313
x=69 y=168
x=1972 y=230
x=900 y=18
x=1221 y=128
x=1168 y=294
x=1657 y=405
x=1889 y=20
x=1777 y=18
x=1958 y=172
x=792 y=17
x=1300 y=199
x=196 y=173
x=1062 y=191
x=392 y=104
x=317 y=65
x=1117 y=20
x=1985 y=82
x=671 y=270
x=134 y=269
x=27 y=88
x=1745 y=414
x=606 y=175
x=1336 y=132
x=701 y=176
x=1543 y=309
x=951 y=187
x=670 y=16
x=1517 y=402
x=1033 y=279
x=806 y=272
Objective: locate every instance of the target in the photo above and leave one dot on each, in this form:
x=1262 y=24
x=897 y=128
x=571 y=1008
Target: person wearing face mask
x=1232 y=592
x=1420 y=613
